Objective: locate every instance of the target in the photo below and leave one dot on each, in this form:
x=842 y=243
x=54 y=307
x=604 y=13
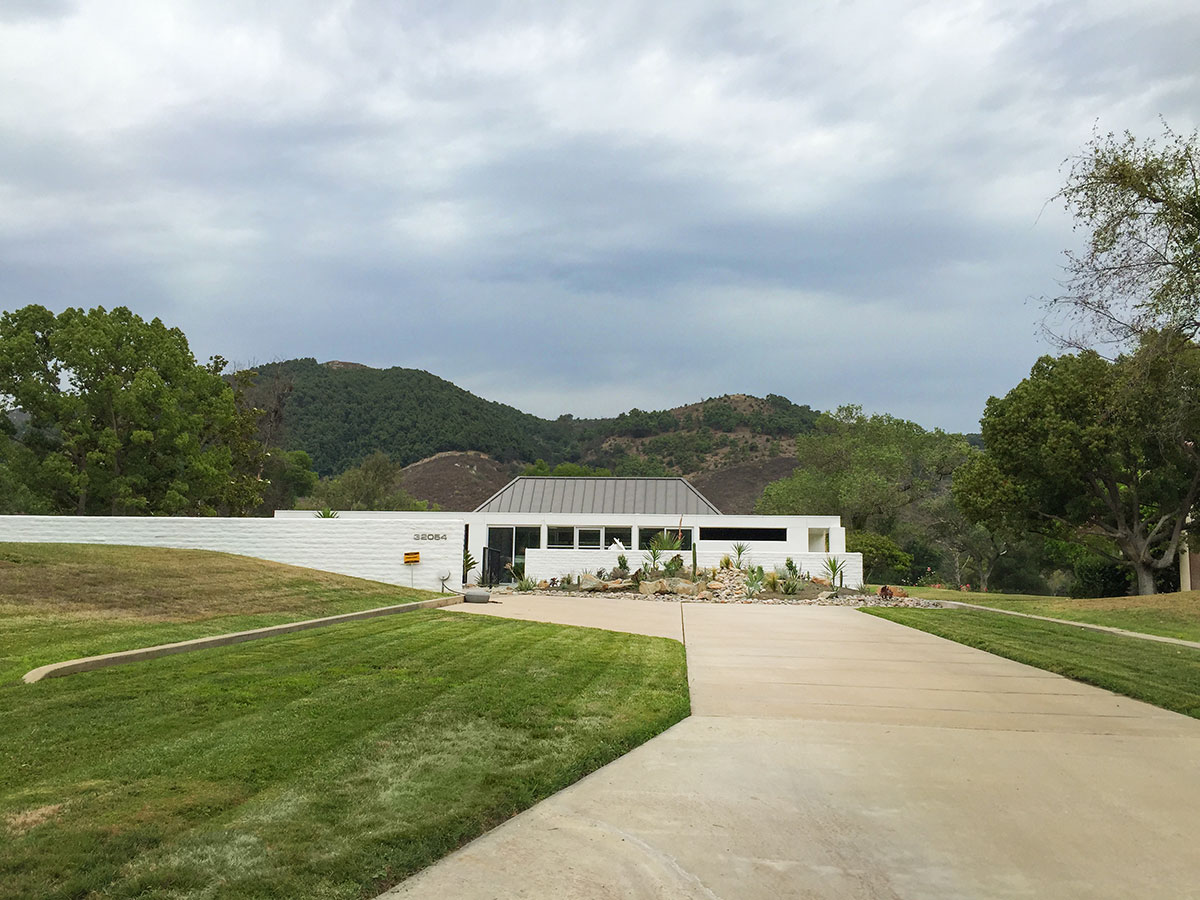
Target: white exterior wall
x=364 y=549
x=546 y=563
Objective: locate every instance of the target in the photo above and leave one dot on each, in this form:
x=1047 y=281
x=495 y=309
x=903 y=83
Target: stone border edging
x=88 y=663
x=1090 y=626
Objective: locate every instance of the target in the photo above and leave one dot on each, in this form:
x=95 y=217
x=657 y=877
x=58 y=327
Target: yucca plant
x=739 y=553
x=835 y=571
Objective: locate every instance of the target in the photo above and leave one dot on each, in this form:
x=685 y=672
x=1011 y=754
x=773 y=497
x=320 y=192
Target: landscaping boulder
x=476 y=595
x=681 y=586
x=543 y=585
x=621 y=584
x=590 y=583
x=653 y=587
x=715 y=586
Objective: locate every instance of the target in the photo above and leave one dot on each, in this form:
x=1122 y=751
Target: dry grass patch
x=157 y=584
x=21 y=822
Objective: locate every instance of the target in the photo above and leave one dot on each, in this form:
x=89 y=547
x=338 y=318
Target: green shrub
x=1096 y=576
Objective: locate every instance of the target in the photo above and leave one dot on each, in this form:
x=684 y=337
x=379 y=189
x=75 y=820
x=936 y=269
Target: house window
x=622 y=534
x=589 y=538
x=560 y=537
x=743 y=534
x=646 y=535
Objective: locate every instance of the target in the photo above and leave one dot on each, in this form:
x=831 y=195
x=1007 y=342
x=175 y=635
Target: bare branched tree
x=1139 y=273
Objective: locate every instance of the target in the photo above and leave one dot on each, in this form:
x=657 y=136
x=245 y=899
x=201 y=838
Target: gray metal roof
x=601 y=496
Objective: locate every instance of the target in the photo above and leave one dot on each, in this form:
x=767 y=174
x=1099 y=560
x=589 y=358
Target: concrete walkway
x=833 y=754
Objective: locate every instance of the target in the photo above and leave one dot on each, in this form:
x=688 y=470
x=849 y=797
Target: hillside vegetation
x=341 y=413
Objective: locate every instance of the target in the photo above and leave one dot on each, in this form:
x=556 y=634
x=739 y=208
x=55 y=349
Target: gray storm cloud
x=579 y=208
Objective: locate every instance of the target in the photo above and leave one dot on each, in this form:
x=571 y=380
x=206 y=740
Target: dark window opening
x=624 y=535
x=560 y=537
x=743 y=534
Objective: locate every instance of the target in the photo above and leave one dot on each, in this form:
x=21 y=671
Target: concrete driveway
x=832 y=754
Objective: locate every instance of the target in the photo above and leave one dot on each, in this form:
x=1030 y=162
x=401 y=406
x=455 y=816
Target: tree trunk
x=1145 y=579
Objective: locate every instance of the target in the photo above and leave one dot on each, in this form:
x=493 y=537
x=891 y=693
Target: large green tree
x=375 y=484
x=118 y=418
x=1101 y=453
x=863 y=468
x=1138 y=204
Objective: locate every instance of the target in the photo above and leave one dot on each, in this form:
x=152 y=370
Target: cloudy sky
x=579 y=207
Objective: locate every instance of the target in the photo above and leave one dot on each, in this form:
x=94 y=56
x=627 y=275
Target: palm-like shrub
x=739 y=554
x=835 y=571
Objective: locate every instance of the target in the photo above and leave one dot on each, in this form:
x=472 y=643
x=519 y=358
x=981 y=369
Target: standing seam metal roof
x=613 y=496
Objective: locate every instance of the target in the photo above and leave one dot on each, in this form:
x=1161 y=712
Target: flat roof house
x=548 y=527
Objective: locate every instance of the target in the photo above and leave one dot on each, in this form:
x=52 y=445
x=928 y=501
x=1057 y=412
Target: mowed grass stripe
x=326 y=764
x=1166 y=675
x=65 y=601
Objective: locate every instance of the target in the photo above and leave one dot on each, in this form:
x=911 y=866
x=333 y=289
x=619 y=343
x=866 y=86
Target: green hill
x=341 y=412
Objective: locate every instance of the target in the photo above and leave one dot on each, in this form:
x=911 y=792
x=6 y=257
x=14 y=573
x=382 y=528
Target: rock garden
x=665 y=576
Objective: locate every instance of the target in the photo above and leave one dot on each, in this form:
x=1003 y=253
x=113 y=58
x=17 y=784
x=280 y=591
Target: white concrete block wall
x=363 y=548
x=547 y=564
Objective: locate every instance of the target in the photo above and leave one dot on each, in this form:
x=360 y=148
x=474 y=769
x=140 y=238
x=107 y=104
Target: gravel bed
x=853 y=600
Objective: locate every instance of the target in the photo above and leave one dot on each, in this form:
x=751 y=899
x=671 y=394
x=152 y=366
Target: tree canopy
x=104 y=413
x=1138 y=202
x=1097 y=452
x=863 y=468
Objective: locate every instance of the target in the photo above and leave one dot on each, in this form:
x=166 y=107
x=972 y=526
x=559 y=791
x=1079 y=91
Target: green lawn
x=1163 y=674
x=1173 y=615
x=326 y=764
x=62 y=601
x=330 y=763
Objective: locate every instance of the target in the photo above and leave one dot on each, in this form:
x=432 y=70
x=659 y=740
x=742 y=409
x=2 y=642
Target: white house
x=557 y=526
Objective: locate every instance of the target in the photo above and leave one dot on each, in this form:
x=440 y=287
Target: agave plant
x=325 y=513
x=526 y=584
x=790 y=585
x=754 y=582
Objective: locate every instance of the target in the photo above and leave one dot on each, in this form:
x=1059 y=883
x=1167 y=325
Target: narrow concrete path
x=833 y=754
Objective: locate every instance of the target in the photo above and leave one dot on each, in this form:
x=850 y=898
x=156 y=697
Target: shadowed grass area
x=329 y=764
x=62 y=601
x=1163 y=674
